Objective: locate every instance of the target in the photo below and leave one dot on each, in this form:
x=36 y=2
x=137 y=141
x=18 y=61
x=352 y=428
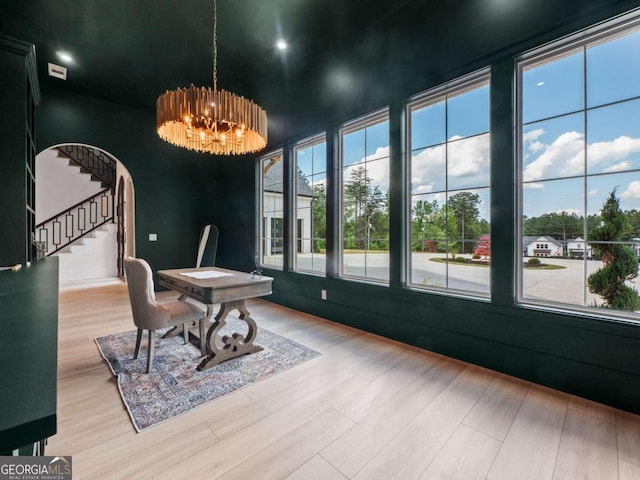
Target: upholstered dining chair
x=150 y=315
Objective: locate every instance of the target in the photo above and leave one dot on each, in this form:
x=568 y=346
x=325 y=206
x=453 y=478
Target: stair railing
x=76 y=222
x=101 y=167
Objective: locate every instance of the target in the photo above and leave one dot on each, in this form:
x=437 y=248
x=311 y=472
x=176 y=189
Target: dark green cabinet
x=19 y=96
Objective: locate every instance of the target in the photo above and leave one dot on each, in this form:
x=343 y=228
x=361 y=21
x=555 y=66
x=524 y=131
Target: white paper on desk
x=207 y=274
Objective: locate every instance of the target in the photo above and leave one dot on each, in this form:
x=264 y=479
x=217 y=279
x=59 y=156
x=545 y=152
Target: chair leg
x=150 y=356
x=138 y=339
x=185 y=326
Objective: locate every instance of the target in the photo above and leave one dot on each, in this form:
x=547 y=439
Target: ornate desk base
x=221 y=348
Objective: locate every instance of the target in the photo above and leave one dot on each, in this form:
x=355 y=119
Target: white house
x=577 y=247
x=544 y=246
x=272 y=221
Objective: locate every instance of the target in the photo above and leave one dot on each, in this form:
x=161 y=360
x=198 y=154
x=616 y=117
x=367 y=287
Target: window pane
x=428 y=125
x=272 y=215
x=429 y=245
x=554 y=219
x=377 y=140
x=353 y=147
x=450 y=244
x=553 y=88
x=428 y=171
x=586 y=253
x=614 y=138
x=365 y=218
x=304 y=161
x=613 y=70
x=468 y=162
x=553 y=148
x=468 y=213
x=310 y=204
x=468 y=113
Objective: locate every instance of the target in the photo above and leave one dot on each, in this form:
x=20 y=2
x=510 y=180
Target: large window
x=579 y=137
x=364 y=161
x=272 y=210
x=448 y=144
x=310 y=199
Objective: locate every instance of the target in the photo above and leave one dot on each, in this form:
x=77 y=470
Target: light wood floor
x=367 y=408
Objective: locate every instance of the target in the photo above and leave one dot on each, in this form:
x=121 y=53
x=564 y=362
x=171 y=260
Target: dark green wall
x=178 y=191
x=175 y=189
x=586 y=356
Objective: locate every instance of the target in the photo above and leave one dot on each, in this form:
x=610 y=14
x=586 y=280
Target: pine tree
x=620 y=261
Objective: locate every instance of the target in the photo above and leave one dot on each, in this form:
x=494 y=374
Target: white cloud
x=593 y=192
x=618 y=167
x=377 y=167
x=468 y=164
x=613 y=151
x=533 y=186
x=533 y=135
x=632 y=191
x=565 y=155
x=570 y=211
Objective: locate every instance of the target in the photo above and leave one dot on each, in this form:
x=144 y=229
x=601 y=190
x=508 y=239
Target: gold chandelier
x=213 y=121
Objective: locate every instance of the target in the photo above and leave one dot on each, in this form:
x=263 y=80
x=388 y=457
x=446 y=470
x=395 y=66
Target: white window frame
x=600 y=33
x=442 y=92
x=302 y=144
x=262 y=235
x=351 y=126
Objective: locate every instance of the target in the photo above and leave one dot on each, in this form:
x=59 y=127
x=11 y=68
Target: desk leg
x=227 y=347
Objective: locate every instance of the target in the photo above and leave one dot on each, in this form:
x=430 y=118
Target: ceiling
x=130 y=52
x=343 y=55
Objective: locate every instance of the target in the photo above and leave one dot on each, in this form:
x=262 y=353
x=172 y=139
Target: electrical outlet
x=323 y=294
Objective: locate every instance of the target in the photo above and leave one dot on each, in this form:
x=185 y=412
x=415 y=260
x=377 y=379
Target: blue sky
x=601 y=139
x=581 y=101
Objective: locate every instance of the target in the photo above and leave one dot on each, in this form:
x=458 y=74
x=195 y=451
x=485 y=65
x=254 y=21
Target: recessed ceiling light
x=64 y=56
x=281 y=44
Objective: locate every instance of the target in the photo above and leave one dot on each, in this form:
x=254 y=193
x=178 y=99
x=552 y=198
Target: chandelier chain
x=215 y=46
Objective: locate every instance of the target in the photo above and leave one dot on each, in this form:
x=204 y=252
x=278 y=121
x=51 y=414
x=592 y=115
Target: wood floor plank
x=588 y=407
x=587 y=449
x=493 y=414
x=283 y=457
x=368 y=398
x=468 y=455
x=316 y=469
x=628 y=428
x=155 y=458
x=353 y=450
x=287 y=417
x=530 y=449
x=629 y=471
x=240 y=446
x=472 y=382
x=412 y=450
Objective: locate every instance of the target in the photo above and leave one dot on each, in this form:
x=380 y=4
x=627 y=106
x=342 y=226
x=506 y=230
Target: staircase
x=79 y=235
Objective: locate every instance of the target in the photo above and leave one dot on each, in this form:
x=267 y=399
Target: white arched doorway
x=81 y=215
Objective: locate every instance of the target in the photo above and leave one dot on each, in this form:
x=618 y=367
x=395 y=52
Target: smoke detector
x=57 y=71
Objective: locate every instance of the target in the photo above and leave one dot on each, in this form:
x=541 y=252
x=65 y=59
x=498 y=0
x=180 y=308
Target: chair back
x=208 y=246
x=147 y=313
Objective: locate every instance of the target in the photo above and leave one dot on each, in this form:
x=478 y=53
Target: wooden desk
x=230 y=290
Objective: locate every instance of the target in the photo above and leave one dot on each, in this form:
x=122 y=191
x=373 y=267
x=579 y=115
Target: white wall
x=59 y=186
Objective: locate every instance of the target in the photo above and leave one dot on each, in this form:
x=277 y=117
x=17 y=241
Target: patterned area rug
x=174 y=386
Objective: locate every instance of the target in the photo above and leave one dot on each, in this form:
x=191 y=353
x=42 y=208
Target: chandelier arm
x=215 y=46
